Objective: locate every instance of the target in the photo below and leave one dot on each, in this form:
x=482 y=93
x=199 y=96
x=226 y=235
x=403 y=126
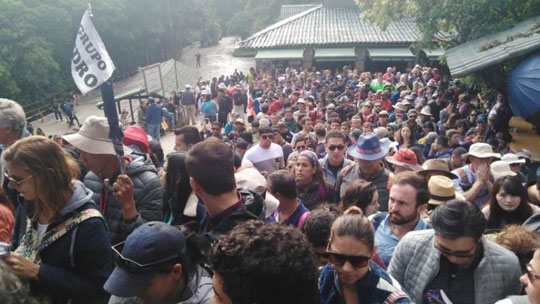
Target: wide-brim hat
x=442 y=189
x=404 y=158
x=399 y=106
x=511 y=158
x=481 y=150
x=426 y=111
x=501 y=168
x=369 y=147
x=93 y=137
x=438 y=166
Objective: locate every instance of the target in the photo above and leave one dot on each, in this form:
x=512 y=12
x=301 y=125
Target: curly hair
x=317 y=225
x=266 y=263
x=520 y=241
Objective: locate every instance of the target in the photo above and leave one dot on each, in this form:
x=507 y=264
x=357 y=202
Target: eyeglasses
x=332 y=147
x=15 y=182
x=457 y=254
x=338 y=259
x=267 y=136
x=135 y=267
x=531 y=274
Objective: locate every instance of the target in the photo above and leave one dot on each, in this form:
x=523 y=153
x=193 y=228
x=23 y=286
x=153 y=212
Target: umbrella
x=524 y=87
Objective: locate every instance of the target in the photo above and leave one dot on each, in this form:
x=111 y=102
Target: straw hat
x=442 y=189
x=501 y=168
x=481 y=150
x=437 y=166
x=399 y=106
x=405 y=158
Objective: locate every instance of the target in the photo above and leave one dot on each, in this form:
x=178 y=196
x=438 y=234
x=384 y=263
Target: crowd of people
x=283 y=187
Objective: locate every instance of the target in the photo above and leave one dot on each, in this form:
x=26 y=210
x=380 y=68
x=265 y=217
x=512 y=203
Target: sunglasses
x=135 y=267
x=531 y=274
x=216 y=129
x=332 y=147
x=338 y=259
x=457 y=254
x=323 y=255
x=300 y=147
x=16 y=182
x=267 y=136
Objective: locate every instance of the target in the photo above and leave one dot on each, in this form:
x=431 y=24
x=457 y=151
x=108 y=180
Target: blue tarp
x=524 y=87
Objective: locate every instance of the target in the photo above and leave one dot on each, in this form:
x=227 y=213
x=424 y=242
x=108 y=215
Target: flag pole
x=109 y=108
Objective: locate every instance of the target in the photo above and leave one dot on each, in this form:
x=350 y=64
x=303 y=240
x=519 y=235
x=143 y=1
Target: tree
x=454 y=22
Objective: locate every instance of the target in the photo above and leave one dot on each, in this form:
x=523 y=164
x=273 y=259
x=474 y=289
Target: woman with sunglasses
x=352 y=276
x=65 y=253
x=311 y=185
x=508 y=204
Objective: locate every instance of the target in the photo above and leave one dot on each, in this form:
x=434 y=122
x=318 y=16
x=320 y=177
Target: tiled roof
x=330 y=26
x=293 y=9
x=492 y=49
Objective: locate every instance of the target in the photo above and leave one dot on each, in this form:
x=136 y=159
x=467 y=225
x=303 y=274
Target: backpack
x=238 y=99
x=208 y=108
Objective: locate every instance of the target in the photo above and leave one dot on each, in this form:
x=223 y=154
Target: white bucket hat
x=481 y=150
x=426 y=110
x=501 y=168
x=93 y=137
x=511 y=158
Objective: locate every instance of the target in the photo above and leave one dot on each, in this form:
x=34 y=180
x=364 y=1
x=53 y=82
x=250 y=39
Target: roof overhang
x=335 y=53
x=398 y=53
x=433 y=54
x=522 y=39
x=280 y=54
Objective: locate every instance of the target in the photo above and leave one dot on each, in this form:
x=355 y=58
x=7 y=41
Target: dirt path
x=215 y=61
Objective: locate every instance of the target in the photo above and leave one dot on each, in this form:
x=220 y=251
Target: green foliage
x=451 y=22
x=37 y=37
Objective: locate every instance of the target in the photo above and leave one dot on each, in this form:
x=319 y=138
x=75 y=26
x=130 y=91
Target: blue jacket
x=76 y=265
x=154 y=114
x=375 y=287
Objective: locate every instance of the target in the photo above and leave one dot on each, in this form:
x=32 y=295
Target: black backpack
x=238 y=100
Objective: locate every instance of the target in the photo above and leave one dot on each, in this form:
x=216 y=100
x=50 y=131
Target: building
x=333 y=34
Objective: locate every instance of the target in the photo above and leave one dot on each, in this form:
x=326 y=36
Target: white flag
x=90 y=64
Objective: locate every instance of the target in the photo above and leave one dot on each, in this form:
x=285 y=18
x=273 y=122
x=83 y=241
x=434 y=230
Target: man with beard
x=408 y=199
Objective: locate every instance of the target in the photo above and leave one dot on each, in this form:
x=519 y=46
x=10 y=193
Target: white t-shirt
x=41 y=229
x=268 y=160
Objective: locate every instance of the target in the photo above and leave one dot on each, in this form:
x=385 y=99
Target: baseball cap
x=146 y=251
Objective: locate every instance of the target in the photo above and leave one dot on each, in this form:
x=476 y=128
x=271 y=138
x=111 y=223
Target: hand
x=482 y=173
x=22 y=267
x=123 y=191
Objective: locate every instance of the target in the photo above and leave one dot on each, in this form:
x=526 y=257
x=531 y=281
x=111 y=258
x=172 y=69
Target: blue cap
x=481 y=118
x=149 y=243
